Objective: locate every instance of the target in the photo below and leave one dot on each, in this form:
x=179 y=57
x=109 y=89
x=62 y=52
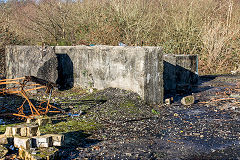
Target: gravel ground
x=130 y=129
x=208 y=129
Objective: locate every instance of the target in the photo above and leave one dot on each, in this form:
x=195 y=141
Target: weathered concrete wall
x=31 y=61
x=180 y=72
x=139 y=69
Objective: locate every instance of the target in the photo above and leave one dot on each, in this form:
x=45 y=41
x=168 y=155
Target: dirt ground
x=117 y=124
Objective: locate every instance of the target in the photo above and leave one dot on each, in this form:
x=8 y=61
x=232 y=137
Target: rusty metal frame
x=21 y=86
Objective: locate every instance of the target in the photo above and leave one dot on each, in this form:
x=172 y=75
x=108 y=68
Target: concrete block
x=3 y=152
x=42 y=121
x=16 y=130
x=32 y=130
x=23 y=131
x=49 y=153
x=188 y=100
x=28 y=130
x=6 y=140
x=30 y=120
x=42 y=141
x=58 y=139
x=3 y=139
x=8 y=132
x=22 y=142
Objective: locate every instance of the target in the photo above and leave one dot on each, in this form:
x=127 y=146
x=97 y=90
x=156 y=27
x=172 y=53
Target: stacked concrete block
x=57 y=139
x=180 y=72
x=16 y=131
x=8 y=132
x=23 y=142
x=32 y=145
x=5 y=140
x=43 y=141
x=39 y=154
x=48 y=140
x=3 y=151
x=32 y=130
x=40 y=120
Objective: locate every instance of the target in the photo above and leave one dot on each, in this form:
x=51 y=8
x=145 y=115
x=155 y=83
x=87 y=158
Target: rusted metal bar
x=20 y=86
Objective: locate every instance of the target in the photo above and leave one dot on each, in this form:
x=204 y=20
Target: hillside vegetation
x=209 y=28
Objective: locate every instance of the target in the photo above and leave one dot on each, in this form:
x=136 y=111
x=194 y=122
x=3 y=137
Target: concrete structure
x=22 y=142
x=139 y=69
x=143 y=70
x=31 y=61
x=180 y=72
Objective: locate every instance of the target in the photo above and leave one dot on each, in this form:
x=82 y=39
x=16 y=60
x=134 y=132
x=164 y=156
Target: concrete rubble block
x=6 y=140
x=30 y=120
x=58 y=139
x=32 y=130
x=23 y=131
x=22 y=142
x=8 y=132
x=3 y=151
x=42 y=121
x=50 y=153
x=16 y=130
x=168 y=101
x=42 y=141
x=28 y=130
x=188 y=100
x=3 y=139
x=37 y=61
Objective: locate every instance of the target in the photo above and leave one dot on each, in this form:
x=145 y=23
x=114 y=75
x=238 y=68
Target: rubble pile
x=31 y=144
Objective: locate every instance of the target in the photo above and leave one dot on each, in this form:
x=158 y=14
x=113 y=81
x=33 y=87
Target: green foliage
x=155 y=112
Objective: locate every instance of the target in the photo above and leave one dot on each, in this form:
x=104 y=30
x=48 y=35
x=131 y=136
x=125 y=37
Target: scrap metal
x=26 y=84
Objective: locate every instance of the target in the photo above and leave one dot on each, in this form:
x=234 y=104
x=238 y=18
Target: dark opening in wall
x=65 y=72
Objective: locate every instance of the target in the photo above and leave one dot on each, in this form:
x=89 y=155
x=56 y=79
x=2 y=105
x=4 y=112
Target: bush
x=208 y=28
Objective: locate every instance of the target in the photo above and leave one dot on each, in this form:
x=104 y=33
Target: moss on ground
x=71 y=125
x=3 y=127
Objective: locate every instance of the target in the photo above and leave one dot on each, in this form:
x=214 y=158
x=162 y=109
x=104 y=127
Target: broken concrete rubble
x=50 y=153
x=30 y=143
x=188 y=100
x=5 y=140
x=3 y=151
